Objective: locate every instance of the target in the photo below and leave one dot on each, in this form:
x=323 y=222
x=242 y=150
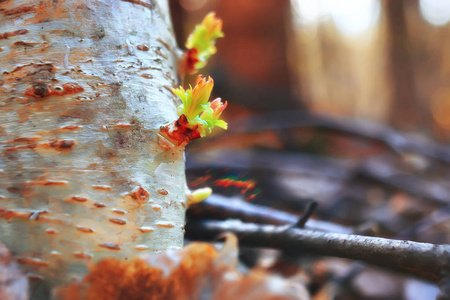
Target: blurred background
x=344 y=103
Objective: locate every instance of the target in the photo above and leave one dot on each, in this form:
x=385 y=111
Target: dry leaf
x=13 y=284
x=198 y=271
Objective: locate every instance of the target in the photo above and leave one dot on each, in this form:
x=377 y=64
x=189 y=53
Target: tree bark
x=85 y=87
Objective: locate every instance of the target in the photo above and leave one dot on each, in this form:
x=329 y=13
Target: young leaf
x=201 y=43
x=201 y=115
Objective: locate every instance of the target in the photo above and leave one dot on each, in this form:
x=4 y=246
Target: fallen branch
x=425 y=223
x=420 y=259
x=221 y=208
x=396 y=141
x=384 y=173
x=381 y=171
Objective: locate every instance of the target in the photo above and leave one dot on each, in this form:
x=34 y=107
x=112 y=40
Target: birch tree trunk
x=85 y=86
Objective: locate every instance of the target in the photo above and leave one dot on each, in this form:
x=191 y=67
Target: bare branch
x=420 y=259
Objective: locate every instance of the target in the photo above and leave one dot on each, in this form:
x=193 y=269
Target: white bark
x=85 y=87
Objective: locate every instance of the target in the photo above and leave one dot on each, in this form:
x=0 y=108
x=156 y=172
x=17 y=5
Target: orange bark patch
x=163 y=192
x=45 y=219
x=32 y=261
x=85 y=229
x=146 y=229
x=139 y=194
x=32 y=215
x=62 y=145
x=110 y=246
x=123 y=125
x=72 y=127
x=164 y=43
x=31 y=143
x=167 y=87
x=119 y=211
x=35 y=277
x=141 y=247
x=22 y=44
x=102 y=187
x=44 y=11
x=48 y=182
x=138 y=2
x=6 y=35
x=30 y=146
x=161 y=54
x=28 y=70
x=25 y=139
x=79 y=199
x=55 y=253
x=19 y=10
x=165 y=225
x=82 y=255
x=51 y=231
x=142 y=47
x=156 y=207
x=7 y=214
x=118 y=221
x=59 y=145
x=42 y=90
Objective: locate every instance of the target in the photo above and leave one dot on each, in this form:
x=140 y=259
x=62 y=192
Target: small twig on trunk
x=420 y=259
x=312 y=205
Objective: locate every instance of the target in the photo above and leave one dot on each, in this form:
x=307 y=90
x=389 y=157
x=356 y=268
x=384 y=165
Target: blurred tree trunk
x=254 y=68
x=406 y=110
x=85 y=87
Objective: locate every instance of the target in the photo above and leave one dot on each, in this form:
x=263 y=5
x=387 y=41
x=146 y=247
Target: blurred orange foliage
x=198 y=271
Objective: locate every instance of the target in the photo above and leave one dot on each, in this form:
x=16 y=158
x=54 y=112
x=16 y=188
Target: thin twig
x=310 y=208
x=421 y=259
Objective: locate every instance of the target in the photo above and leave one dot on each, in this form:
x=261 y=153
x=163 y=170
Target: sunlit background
x=337 y=101
x=385 y=61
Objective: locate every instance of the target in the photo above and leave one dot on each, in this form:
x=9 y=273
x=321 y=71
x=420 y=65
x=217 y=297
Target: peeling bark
x=81 y=102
